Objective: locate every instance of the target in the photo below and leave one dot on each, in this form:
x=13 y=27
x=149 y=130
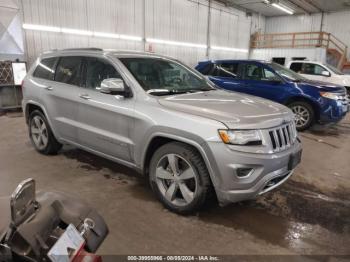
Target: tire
x=191 y=188
x=304 y=114
x=41 y=134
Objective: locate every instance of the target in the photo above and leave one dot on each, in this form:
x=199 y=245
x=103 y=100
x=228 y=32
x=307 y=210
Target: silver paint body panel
x=121 y=129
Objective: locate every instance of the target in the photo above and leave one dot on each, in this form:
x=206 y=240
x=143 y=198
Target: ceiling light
x=176 y=43
x=76 y=31
x=229 y=49
x=106 y=35
x=283 y=8
x=41 y=28
x=130 y=37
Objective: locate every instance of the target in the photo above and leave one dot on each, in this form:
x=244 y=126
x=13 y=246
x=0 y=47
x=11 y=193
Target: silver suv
x=164 y=119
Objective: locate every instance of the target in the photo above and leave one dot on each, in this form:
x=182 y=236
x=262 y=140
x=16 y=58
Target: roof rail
x=83 y=49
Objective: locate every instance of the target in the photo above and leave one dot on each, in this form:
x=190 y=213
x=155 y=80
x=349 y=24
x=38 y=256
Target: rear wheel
x=179 y=178
x=304 y=114
x=41 y=135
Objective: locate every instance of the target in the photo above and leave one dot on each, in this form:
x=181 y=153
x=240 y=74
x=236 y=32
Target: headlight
x=330 y=95
x=241 y=137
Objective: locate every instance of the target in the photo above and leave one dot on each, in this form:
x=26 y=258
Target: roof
x=93 y=50
x=233 y=60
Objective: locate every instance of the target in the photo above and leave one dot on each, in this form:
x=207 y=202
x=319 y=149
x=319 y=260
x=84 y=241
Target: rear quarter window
x=46 y=68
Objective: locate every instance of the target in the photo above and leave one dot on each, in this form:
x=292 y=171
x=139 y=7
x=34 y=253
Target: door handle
x=49 y=88
x=84 y=96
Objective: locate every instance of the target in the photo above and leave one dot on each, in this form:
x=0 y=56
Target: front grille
x=282 y=137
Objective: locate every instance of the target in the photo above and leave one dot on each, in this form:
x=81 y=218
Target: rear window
x=46 y=68
x=69 y=70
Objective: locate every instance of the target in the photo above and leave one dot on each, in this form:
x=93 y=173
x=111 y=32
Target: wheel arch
x=32 y=106
x=313 y=104
x=161 y=139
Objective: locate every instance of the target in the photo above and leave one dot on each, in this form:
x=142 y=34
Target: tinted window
x=97 y=70
x=68 y=70
x=46 y=68
x=256 y=72
x=206 y=70
x=296 y=67
x=226 y=70
x=311 y=69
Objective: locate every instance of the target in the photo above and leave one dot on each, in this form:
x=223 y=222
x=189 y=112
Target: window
x=46 y=68
x=226 y=70
x=296 y=67
x=259 y=73
x=68 y=70
x=206 y=70
x=97 y=70
x=312 y=69
x=153 y=73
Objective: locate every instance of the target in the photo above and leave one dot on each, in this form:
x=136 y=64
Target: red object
x=82 y=256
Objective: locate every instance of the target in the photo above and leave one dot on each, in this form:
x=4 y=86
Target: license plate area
x=294 y=160
x=66 y=246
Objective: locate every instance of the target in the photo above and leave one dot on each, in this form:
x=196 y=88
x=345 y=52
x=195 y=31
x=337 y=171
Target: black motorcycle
x=48 y=226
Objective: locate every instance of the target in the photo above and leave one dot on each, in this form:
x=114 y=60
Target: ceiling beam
x=236 y=6
x=299 y=6
x=310 y=2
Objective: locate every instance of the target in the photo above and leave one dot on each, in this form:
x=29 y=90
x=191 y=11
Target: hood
x=343 y=79
x=235 y=110
x=323 y=86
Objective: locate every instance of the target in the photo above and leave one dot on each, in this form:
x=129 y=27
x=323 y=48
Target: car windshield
x=334 y=69
x=287 y=73
x=160 y=76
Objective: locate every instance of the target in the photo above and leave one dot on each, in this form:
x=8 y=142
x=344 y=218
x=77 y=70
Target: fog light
x=243 y=172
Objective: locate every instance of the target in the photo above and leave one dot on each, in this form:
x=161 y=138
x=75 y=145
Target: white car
x=320 y=72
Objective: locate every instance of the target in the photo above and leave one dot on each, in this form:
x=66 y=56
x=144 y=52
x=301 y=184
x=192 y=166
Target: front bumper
x=333 y=111
x=268 y=171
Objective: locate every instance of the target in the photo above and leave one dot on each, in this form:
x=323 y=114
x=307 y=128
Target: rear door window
x=68 y=70
x=46 y=68
x=296 y=67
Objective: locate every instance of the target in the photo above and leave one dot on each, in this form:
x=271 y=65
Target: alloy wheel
x=39 y=132
x=301 y=115
x=176 y=179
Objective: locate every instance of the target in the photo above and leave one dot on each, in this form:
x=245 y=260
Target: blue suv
x=311 y=101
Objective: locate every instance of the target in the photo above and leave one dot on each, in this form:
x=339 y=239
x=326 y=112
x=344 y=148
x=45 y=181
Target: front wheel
x=179 y=178
x=304 y=115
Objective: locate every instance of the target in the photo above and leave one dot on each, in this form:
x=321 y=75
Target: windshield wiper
x=163 y=92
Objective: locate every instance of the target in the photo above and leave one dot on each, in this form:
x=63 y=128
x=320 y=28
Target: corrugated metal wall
x=174 y=20
x=318 y=54
x=298 y=23
x=336 y=23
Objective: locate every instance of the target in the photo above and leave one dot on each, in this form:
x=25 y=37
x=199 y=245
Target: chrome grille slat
x=282 y=137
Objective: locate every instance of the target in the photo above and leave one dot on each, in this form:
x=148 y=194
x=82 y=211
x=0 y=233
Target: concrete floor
x=310 y=214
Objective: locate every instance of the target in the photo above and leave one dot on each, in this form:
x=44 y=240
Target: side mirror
x=113 y=86
x=325 y=73
x=23 y=202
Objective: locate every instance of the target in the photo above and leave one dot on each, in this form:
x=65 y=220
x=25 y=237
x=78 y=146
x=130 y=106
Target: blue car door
x=227 y=76
x=261 y=81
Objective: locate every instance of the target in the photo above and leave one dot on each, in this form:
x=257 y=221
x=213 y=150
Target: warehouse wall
x=336 y=23
x=171 y=20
